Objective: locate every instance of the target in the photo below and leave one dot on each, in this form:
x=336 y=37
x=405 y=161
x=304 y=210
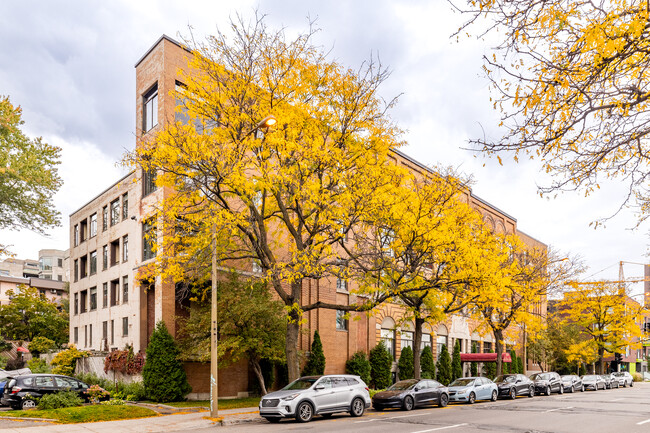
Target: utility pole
x=214 y=369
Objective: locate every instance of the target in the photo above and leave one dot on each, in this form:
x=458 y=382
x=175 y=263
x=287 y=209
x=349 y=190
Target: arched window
x=406 y=335
x=441 y=339
x=388 y=335
x=426 y=336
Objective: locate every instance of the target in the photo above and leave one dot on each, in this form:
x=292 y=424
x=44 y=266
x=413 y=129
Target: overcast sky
x=70 y=65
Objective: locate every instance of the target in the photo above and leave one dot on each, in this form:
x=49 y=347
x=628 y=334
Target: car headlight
x=462 y=392
x=290 y=397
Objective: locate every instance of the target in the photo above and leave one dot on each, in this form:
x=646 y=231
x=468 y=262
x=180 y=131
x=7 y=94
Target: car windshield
x=506 y=379
x=403 y=385
x=589 y=377
x=565 y=378
x=462 y=382
x=302 y=383
x=540 y=376
x=618 y=374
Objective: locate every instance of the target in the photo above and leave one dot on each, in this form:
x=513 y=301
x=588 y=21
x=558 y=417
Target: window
x=341 y=321
x=148 y=239
x=84 y=301
x=125 y=289
x=148 y=182
x=441 y=339
x=93 y=298
x=388 y=335
x=83 y=230
x=44 y=381
x=76 y=335
x=115 y=252
x=45 y=263
x=341 y=285
x=125 y=205
x=76 y=303
x=104 y=295
x=150 y=109
x=83 y=266
x=407 y=339
x=125 y=326
x=90 y=335
x=59 y=277
x=125 y=248
x=105 y=218
x=59 y=263
x=76 y=270
x=105 y=330
x=93 y=225
x=476 y=346
x=426 y=341
x=76 y=235
x=115 y=212
x=112 y=332
x=93 y=263
x=487 y=347
x=105 y=257
x=115 y=292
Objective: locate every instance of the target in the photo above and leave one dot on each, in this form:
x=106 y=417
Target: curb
x=23 y=418
x=171 y=409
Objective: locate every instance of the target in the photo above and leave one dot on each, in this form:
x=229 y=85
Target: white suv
x=624 y=378
x=317 y=395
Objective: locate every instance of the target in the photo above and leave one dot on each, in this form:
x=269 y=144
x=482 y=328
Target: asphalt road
x=618 y=410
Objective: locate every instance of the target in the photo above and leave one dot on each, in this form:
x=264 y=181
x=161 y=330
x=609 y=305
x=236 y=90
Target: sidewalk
x=181 y=420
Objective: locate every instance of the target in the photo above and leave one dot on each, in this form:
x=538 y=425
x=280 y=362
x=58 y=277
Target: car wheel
x=28 y=404
x=304 y=412
x=582 y=389
x=513 y=393
x=531 y=392
x=625 y=384
x=444 y=400
x=548 y=390
x=494 y=395
x=561 y=390
x=472 y=398
x=272 y=420
x=572 y=389
x=358 y=407
x=408 y=403
x=631 y=384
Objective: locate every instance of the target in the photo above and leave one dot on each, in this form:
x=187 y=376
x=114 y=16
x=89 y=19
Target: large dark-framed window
x=125 y=205
x=125 y=289
x=115 y=212
x=150 y=108
x=148 y=182
x=148 y=239
x=93 y=262
x=105 y=218
x=93 y=298
x=104 y=295
x=93 y=225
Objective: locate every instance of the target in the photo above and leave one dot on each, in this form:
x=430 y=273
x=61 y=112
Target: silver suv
x=624 y=378
x=317 y=395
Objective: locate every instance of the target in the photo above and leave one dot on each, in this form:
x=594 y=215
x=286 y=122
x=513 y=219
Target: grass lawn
x=234 y=403
x=70 y=415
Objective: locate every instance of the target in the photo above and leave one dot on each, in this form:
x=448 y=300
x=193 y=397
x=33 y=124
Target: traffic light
x=618 y=357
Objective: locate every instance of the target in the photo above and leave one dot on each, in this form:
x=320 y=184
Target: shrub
x=59 y=400
x=473 y=369
x=3 y=361
x=163 y=374
x=124 y=361
x=113 y=402
x=380 y=364
x=637 y=377
x=520 y=366
x=316 y=361
x=427 y=364
x=96 y=393
x=41 y=345
x=65 y=361
x=443 y=366
x=133 y=391
x=93 y=379
x=456 y=366
x=38 y=365
x=358 y=364
x=405 y=364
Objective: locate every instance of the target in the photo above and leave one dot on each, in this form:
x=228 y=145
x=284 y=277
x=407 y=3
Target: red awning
x=484 y=357
x=22 y=349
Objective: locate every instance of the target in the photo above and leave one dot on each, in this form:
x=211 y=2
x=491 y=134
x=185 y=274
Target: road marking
x=558 y=408
x=440 y=428
x=392 y=417
x=617 y=399
x=643 y=422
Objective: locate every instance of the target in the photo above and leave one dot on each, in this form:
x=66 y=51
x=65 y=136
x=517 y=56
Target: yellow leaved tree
x=606 y=315
x=276 y=199
x=572 y=83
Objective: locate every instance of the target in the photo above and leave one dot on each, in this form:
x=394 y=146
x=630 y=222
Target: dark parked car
x=546 y=383
x=610 y=381
x=512 y=385
x=6 y=374
x=411 y=393
x=593 y=381
x=572 y=383
x=20 y=391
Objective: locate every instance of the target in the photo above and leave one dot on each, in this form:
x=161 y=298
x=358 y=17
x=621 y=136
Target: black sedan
x=512 y=385
x=407 y=394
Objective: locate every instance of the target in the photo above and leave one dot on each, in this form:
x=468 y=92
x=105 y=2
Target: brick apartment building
x=109 y=308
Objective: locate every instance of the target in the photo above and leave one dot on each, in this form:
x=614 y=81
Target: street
x=625 y=409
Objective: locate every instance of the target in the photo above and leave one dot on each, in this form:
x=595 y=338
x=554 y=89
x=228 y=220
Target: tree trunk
x=498 y=345
x=601 y=363
x=257 y=369
x=417 y=342
x=291 y=346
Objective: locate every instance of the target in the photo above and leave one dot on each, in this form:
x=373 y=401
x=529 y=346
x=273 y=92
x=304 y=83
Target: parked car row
x=326 y=395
